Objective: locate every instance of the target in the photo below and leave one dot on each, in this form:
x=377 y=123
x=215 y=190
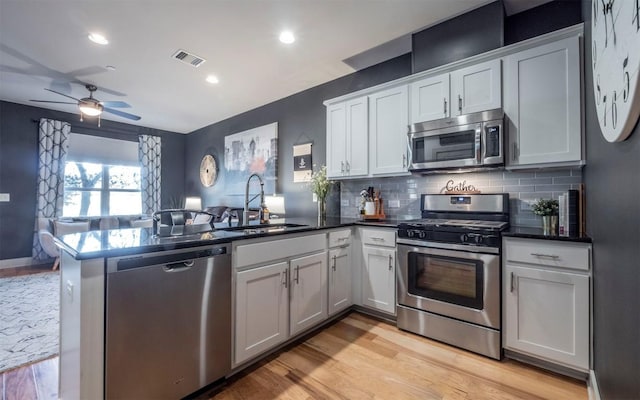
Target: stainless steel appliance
x=168 y=323
x=470 y=142
x=448 y=282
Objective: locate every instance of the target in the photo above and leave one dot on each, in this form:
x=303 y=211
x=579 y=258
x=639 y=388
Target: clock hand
x=606 y=26
x=636 y=17
x=613 y=21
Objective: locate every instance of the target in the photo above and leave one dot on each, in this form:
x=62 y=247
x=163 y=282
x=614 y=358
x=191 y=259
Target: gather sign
x=451 y=187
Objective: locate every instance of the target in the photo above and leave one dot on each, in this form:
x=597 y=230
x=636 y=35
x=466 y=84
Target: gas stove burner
x=469 y=220
x=433 y=223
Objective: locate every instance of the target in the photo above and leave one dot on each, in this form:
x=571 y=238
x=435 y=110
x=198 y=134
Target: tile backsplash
x=401 y=195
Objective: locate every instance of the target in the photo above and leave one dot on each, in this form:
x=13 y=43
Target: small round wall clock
x=615 y=58
x=208 y=171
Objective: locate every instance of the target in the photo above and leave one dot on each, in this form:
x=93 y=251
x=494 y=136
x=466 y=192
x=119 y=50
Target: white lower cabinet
x=339 y=279
x=378 y=276
x=546 y=301
x=308 y=282
x=280 y=290
x=262 y=310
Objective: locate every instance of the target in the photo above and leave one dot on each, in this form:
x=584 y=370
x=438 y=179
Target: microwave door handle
x=409 y=152
x=479 y=145
x=483 y=143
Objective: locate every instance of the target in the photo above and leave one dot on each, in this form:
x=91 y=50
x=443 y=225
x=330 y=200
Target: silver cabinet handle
x=552 y=256
x=460 y=104
x=297 y=279
x=334 y=262
x=514 y=152
x=285 y=275
x=348 y=168
x=341 y=239
x=390 y=262
x=342 y=166
x=404 y=161
x=377 y=239
x=445 y=105
x=511 y=283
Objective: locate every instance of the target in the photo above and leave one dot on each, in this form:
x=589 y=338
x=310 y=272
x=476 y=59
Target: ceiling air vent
x=188 y=58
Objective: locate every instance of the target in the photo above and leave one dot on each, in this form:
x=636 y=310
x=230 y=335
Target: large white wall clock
x=615 y=57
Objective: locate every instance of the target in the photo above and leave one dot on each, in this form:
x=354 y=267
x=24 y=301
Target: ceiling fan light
x=91 y=109
x=98 y=38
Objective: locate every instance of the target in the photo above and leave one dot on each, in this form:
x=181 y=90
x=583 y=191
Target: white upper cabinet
x=388 y=126
x=476 y=88
x=430 y=99
x=543 y=105
x=466 y=90
x=347 y=139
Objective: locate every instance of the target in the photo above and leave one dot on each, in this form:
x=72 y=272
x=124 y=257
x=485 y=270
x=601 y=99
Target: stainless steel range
x=448 y=282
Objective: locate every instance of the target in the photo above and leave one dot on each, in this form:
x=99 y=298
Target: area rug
x=29 y=313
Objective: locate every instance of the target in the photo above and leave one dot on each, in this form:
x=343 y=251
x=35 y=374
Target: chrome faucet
x=245 y=213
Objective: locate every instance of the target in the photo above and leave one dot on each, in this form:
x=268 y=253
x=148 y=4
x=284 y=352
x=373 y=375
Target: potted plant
x=548 y=210
x=320 y=186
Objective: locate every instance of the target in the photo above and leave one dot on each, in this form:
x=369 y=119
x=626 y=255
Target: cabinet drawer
x=379 y=237
x=263 y=252
x=339 y=238
x=547 y=252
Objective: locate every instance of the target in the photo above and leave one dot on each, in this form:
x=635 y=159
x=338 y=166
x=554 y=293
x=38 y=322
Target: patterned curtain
x=149 y=151
x=52 y=153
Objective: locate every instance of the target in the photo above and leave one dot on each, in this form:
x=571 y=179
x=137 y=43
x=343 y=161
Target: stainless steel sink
x=261 y=228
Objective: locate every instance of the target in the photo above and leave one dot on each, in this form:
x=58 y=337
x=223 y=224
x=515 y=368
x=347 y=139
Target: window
x=92 y=189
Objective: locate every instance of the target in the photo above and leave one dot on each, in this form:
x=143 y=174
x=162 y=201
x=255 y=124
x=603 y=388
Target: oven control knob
x=479 y=239
x=464 y=238
x=422 y=234
x=410 y=233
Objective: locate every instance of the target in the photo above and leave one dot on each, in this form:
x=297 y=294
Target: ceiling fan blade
x=115 y=104
x=57 y=102
x=122 y=114
x=62 y=94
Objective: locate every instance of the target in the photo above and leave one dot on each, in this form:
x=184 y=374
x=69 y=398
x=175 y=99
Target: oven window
x=449 y=279
x=445 y=147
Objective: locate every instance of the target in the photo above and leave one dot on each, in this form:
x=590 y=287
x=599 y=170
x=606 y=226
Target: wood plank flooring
x=358 y=357
x=362 y=358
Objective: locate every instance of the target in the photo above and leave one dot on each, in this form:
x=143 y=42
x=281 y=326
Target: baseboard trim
x=21 y=262
x=592 y=386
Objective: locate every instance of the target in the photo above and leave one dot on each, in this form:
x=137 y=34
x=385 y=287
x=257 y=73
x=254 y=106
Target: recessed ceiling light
x=287 y=37
x=212 y=79
x=110 y=67
x=98 y=38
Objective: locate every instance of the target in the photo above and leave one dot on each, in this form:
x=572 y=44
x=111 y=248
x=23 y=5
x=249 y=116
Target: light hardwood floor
x=358 y=357
x=362 y=358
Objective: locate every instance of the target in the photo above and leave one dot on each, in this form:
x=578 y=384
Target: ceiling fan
x=93 y=107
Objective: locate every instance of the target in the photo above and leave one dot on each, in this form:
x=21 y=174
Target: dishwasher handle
x=178 y=267
x=171 y=261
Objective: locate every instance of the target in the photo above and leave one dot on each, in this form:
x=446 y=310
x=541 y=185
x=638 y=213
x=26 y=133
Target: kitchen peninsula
x=166 y=299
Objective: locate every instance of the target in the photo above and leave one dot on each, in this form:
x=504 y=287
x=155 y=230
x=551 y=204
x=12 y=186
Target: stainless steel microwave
x=467 y=142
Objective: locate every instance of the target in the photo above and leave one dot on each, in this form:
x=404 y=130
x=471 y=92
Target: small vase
x=550 y=224
x=322 y=211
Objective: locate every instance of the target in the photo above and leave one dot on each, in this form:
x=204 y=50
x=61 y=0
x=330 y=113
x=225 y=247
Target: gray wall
x=301 y=119
x=613 y=221
x=19 y=167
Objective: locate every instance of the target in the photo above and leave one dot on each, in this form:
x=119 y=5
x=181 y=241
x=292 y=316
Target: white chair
x=60 y=228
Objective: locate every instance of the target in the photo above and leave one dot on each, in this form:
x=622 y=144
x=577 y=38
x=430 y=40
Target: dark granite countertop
x=537 y=233
x=122 y=242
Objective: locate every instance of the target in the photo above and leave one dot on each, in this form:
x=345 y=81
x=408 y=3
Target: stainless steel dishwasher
x=168 y=323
